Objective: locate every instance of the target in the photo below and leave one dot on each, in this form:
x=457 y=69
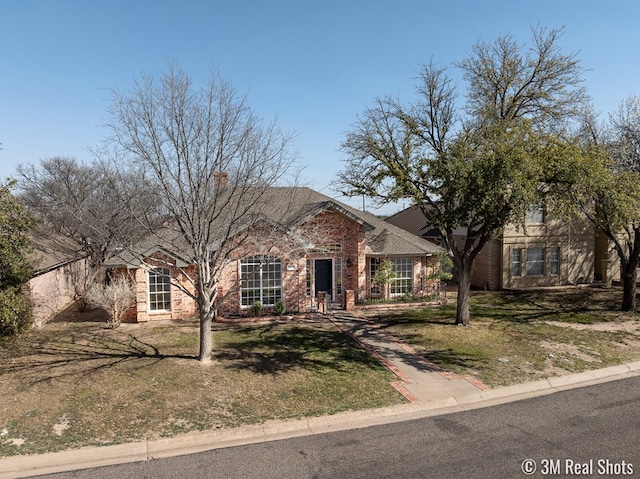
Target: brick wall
x=182 y=305
x=327 y=228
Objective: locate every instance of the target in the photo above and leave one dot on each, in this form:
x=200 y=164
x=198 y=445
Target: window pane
x=309 y=272
x=159 y=290
x=554 y=260
x=535 y=262
x=535 y=215
x=373 y=268
x=516 y=262
x=261 y=280
x=403 y=283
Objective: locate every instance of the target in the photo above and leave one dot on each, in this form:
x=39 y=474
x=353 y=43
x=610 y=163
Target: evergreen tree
x=16 y=268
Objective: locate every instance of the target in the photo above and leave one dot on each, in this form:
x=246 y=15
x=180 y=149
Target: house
x=412 y=219
x=61 y=272
x=306 y=245
x=548 y=251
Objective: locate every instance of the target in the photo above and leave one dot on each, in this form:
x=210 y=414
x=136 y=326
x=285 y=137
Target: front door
x=323 y=277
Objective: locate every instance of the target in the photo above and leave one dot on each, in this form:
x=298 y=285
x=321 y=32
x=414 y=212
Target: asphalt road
x=587 y=432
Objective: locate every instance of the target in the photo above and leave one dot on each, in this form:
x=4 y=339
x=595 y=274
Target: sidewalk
x=431 y=392
x=419 y=379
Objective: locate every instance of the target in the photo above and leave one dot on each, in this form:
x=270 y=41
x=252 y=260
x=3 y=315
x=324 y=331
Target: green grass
x=97 y=386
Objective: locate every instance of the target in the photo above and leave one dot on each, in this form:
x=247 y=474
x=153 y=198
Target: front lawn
x=522 y=336
x=77 y=383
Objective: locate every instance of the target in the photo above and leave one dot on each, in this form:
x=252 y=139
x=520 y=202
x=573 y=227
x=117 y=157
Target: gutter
x=40 y=272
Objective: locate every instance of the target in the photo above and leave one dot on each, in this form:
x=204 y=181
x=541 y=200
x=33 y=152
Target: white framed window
x=374 y=288
x=535 y=214
x=338 y=275
x=403 y=282
x=327 y=248
x=309 y=275
x=261 y=280
x=535 y=261
x=554 y=260
x=159 y=290
x=516 y=262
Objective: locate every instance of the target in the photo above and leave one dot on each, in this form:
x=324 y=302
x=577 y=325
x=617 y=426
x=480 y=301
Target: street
x=586 y=432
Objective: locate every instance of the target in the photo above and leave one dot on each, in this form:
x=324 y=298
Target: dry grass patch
x=78 y=383
x=519 y=337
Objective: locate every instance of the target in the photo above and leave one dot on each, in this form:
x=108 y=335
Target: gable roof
x=382 y=238
x=413 y=220
x=158 y=242
x=291 y=207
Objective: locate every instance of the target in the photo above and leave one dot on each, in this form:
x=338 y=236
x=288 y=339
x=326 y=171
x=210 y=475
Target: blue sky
x=313 y=65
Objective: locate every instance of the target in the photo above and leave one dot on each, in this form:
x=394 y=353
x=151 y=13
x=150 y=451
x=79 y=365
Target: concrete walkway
x=431 y=392
x=418 y=379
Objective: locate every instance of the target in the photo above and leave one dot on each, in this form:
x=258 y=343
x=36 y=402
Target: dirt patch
x=562 y=350
x=625 y=325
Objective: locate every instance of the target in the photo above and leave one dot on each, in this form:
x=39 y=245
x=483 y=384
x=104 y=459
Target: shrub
x=115 y=298
x=15 y=312
x=257 y=308
x=278 y=308
x=16 y=268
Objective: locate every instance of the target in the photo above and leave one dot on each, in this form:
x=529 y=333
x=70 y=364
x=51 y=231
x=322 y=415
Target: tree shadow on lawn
x=80 y=355
x=441 y=358
x=578 y=305
x=573 y=305
x=274 y=349
x=441 y=355
x=447 y=359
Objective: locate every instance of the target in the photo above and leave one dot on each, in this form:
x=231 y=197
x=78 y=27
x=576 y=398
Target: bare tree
x=211 y=162
x=81 y=201
x=478 y=166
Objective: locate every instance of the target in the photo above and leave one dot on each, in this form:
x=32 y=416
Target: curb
x=75 y=459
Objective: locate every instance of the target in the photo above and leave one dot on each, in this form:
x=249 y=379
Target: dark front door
x=323 y=276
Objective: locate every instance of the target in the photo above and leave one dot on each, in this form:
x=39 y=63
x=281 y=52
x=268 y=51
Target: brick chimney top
x=220 y=179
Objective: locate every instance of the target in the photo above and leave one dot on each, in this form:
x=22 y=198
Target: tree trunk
x=205 y=340
x=206 y=319
x=629 y=282
x=463 y=316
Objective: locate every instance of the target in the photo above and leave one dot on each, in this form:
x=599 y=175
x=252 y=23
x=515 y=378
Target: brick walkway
x=419 y=379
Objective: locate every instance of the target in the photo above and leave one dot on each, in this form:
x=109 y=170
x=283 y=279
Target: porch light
x=349 y=262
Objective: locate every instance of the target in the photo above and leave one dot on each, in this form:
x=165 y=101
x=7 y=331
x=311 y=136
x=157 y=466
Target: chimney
x=220 y=180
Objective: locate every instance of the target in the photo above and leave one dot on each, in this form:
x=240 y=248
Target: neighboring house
x=335 y=252
x=412 y=219
x=547 y=252
x=61 y=271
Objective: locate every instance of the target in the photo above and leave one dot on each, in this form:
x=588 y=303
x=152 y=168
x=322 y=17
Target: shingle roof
x=382 y=238
x=414 y=221
x=291 y=207
x=52 y=250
